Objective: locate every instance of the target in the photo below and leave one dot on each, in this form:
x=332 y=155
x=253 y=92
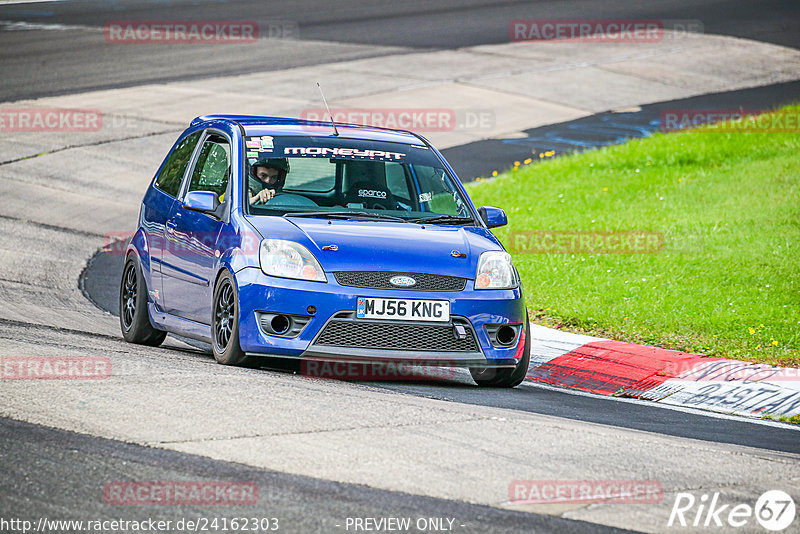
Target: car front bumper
x=333 y=332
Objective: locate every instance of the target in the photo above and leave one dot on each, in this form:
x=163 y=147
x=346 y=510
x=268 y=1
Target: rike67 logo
x=774 y=510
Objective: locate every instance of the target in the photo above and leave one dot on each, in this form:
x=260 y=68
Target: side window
x=441 y=198
x=212 y=170
x=169 y=179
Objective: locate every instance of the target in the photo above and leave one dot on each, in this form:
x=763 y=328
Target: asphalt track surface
x=41 y=62
x=41 y=466
x=46 y=488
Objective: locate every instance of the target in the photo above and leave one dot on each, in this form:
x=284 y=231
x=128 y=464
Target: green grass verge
x=795 y=419
x=725 y=282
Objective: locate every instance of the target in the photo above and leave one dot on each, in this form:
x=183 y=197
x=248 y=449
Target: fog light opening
x=506 y=335
x=280 y=324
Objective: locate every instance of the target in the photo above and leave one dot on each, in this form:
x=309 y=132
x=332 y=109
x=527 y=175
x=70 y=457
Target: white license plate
x=403 y=309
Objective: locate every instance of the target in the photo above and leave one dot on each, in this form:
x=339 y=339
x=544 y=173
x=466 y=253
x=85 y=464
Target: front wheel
x=134 y=320
x=506 y=378
x=225 y=324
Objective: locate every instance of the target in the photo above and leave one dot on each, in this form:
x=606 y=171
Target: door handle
x=170 y=225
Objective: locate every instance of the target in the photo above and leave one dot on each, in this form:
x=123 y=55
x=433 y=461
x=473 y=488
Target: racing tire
x=134 y=320
x=225 y=324
x=506 y=378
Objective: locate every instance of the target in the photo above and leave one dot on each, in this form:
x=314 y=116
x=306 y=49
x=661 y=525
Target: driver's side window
x=212 y=170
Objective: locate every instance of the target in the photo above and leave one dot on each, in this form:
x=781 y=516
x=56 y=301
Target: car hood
x=383 y=246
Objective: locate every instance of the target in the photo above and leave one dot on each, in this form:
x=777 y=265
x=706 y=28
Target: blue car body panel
x=182 y=253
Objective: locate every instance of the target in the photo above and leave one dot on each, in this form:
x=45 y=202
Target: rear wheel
x=506 y=378
x=134 y=320
x=225 y=324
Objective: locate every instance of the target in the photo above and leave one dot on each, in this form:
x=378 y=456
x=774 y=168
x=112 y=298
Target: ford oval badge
x=402 y=281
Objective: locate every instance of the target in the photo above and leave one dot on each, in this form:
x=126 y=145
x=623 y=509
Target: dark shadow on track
x=638 y=415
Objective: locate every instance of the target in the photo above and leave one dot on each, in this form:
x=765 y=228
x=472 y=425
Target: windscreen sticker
x=252 y=161
x=253 y=143
x=459 y=203
x=371 y=193
x=252 y=154
x=425 y=197
x=345 y=152
x=266 y=142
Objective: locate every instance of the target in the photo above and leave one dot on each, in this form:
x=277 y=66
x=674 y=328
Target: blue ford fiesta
x=268 y=236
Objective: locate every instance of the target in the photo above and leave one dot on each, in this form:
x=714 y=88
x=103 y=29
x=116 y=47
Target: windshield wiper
x=345 y=215
x=444 y=219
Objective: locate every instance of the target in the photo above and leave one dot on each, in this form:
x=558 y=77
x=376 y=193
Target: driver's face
x=267 y=174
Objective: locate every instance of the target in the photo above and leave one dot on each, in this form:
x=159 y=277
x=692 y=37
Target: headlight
x=495 y=271
x=288 y=259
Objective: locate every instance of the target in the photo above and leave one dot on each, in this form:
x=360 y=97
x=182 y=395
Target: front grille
x=380 y=280
x=394 y=336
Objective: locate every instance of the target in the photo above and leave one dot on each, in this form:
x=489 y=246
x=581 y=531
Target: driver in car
x=267 y=177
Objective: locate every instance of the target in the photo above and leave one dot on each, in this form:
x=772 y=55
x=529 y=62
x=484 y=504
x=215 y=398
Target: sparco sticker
x=371 y=193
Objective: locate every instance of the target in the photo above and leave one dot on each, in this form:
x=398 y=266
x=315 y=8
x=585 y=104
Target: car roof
x=257 y=125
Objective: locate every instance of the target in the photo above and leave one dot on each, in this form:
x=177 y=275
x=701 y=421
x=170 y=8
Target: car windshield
x=349 y=178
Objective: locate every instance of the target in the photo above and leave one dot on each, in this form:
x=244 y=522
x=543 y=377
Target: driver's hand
x=263 y=196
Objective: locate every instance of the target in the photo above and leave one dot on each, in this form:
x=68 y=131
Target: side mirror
x=493 y=217
x=202 y=201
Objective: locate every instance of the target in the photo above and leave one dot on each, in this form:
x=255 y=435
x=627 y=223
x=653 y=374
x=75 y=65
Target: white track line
x=12 y=2
x=21 y=26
